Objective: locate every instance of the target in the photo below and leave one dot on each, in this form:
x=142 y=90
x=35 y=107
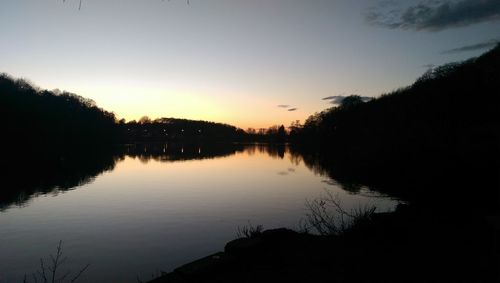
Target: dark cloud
x=337 y=99
x=287 y=107
x=434 y=15
x=478 y=46
x=334 y=99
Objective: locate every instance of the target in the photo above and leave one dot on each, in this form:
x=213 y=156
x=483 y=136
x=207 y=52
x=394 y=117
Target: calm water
x=156 y=209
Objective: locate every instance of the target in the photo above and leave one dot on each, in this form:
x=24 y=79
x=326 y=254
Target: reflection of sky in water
x=148 y=214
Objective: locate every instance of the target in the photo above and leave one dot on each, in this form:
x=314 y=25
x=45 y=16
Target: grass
x=249 y=231
x=326 y=216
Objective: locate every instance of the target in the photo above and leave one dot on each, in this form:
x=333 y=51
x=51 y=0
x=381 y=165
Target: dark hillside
x=444 y=125
x=31 y=116
x=40 y=117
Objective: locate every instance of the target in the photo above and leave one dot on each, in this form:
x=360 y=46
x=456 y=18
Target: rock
x=243 y=246
x=207 y=264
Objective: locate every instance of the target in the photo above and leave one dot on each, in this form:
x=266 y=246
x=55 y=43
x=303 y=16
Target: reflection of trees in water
x=323 y=164
x=29 y=174
x=310 y=159
x=294 y=158
x=273 y=150
x=171 y=152
x=250 y=150
x=50 y=171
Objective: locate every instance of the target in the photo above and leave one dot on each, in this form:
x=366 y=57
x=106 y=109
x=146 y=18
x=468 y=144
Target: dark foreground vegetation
x=409 y=245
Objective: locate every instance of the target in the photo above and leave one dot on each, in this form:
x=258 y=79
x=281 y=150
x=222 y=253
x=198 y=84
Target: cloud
x=434 y=15
x=337 y=99
x=478 y=46
x=287 y=107
x=334 y=99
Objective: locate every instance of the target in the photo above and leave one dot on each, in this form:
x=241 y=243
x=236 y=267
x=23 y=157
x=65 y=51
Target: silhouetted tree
x=173 y=129
x=42 y=117
x=351 y=101
x=144 y=120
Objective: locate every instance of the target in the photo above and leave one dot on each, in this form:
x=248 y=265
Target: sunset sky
x=235 y=61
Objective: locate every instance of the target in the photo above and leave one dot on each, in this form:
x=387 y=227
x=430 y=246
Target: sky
x=249 y=63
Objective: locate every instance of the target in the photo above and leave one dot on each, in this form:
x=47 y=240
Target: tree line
x=444 y=127
x=34 y=116
x=55 y=118
x=451 y=112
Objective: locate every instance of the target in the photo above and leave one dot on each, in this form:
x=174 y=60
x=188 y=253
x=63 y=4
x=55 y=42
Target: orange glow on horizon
x=242 y=111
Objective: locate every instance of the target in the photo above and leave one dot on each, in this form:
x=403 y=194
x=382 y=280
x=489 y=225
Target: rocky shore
x=408 y=245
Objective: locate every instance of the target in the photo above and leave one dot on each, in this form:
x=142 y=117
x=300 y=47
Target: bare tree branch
x=56 y=261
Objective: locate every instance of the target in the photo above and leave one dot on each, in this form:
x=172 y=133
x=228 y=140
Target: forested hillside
x=446 y=123
x=33 y=116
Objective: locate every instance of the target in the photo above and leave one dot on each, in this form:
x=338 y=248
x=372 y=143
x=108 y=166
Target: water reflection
x=324 y=164
x=147 y=206
x=272 y=150
x=179 y=152
x=52 y=172
x=29 y=174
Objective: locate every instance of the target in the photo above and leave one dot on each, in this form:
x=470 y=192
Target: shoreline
x=411 y=244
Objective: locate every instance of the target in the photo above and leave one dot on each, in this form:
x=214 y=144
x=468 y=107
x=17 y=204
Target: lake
x=151 y=208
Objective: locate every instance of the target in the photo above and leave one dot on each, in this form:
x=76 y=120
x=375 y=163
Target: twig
x=42 y=271
x=56 y=262
x=61 y=279
x=80 y=273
